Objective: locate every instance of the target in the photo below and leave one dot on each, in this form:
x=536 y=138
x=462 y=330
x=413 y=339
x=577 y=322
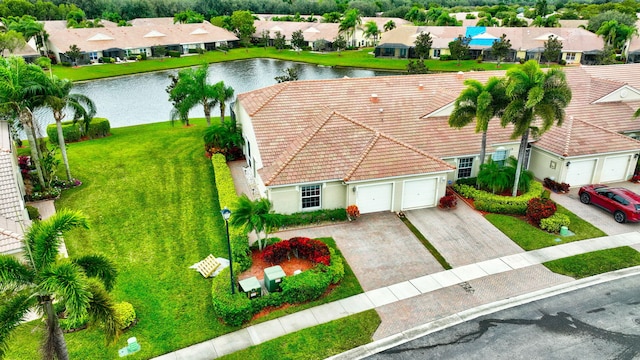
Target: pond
x=142 y=99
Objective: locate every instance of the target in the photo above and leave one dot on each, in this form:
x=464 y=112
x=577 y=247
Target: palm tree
x=255 y=216
x=349 y=22
x=21 y=84
x=389 y=25
x=371 y=31
x=479 y=102
x=533 y=95
x=224 y=94
x=495 y=177
x=44 y=277
x=59 y=98
x=192 y=89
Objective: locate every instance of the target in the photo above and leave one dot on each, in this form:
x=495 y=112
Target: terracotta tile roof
x=11 y=207
x=131 y=37
x=10 y=242
x=316 y=130
x=622 y=73
x=310 y=31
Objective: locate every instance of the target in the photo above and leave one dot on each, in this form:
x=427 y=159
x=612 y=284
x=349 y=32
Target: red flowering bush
x=353 y=211
x=303 y=248
x=448 y=201
x=538 y=209
x=556 y=186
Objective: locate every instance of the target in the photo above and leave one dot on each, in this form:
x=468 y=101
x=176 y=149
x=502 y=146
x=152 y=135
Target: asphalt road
x=598 y=322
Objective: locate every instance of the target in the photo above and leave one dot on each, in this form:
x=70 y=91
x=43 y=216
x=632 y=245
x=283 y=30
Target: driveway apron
x=379 y=248
x=462 y=235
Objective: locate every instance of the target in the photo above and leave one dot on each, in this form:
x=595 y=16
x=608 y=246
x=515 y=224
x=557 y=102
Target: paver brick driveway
x=379 y=248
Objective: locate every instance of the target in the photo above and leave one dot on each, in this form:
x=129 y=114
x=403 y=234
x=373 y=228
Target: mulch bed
x=288 y=266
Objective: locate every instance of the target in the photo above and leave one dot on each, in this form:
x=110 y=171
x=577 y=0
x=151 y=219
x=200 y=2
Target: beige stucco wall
x=511 y=148
x=521 y=54
x=577 y=59
x=544 y=164
x=287 y=200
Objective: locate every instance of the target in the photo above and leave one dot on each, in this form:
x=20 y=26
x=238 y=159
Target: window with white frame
x=93 y=56
x=571 y=57
x=500 y=156
x=464 y=167
x=436 y=53
x=310 y=196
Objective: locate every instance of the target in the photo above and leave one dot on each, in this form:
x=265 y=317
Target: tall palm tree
x=371 y=31
x=193 y=89
x=349 y=22
x=58 y=98
x=479 y=102
x=21 y=84
x=44 y=277
x=224 y=94
x=255 y=216
x=536 y=102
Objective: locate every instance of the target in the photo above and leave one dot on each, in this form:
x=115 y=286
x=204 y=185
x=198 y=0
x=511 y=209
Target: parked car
x=623 y=203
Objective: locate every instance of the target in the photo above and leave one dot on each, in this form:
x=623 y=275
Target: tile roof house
x=114 y=41
x=527 y=43
x=384 y=143
x=13 y=216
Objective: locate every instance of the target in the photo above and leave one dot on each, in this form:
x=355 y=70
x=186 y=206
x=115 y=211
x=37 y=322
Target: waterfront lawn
x=150 y=196
x=318 y=342
x=597 y=262
x=529 y=237
x=356 y=58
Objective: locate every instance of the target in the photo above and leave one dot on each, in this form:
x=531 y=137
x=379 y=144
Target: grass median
x=150 y=196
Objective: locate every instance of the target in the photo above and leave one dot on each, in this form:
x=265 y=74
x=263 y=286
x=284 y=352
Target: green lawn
x=597 y=262
x=150 y=195
x=317 y=342
x=356 y=58
x=531 y=238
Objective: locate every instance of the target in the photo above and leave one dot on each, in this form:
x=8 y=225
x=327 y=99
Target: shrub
x=70 y=324
x=445 y=57
x=353 y=212
x=499 y=204
x=173 y=53
x=448 y=201
x=232 y=309
x=98 y=127
x=66 y=64
x=125 y=314
x=539 y=208
x=555 y=222
x=303 y=248
x=306 y=286
x=106 y=60
x=556 y=186
x=312 y=217
x=34 y=213
x=467 y=181
x=562 y=62
x=227 y=197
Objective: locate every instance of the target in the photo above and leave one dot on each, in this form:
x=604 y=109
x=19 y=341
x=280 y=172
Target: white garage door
x=419 y=194
x=580 y=172
x=615 y=168
x=374 y=198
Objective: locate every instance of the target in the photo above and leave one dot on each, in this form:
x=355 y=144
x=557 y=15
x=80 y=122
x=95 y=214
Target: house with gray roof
x=384 y=143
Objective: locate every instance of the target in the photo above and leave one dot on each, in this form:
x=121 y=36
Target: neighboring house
x=14 y=218
x=632 y=49
x=384 y=143
x=28 y=52
x=325 y=33
x=527 y=43
x=120 y=42
x=362 y=40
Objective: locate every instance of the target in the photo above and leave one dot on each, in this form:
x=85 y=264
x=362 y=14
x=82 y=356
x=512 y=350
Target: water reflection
x=142 y=99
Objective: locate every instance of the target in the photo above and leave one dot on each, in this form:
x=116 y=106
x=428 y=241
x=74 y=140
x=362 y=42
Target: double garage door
x=614 y=169
x=416 y=194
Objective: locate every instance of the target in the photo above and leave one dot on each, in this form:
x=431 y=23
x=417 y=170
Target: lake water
x=142 y=99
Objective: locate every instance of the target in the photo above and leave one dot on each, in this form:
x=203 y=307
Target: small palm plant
x=255 y=215
x=495 y=177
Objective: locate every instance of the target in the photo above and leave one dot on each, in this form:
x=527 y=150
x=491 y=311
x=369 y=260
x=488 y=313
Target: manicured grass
x=317 y=342
x=597 y=262
x=355 y=58
x=150 y=196
x=531 y=238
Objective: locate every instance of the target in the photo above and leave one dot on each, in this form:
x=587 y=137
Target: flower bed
x=301 y=247
x=499 y=204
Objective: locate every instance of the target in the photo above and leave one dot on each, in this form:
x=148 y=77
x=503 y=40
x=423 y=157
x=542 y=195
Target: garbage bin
x=251 y=287
x=273 y=277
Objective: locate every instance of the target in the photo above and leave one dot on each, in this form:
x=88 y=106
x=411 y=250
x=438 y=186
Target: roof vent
x=374 y=98
x=420 y=87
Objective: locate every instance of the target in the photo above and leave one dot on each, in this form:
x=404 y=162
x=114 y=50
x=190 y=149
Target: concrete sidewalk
x=397 y=293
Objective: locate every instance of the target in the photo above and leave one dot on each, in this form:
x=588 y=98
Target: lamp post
x=226 y=214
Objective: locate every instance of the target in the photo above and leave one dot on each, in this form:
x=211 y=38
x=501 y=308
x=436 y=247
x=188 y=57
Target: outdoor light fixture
x=568 y=163
x=635 y=156
x=226 y=214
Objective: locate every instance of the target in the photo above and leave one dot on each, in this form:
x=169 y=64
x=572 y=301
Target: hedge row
x=499 y=204
x=307 y=286
x=312 y=217
x=98 y=127
x=227 y=197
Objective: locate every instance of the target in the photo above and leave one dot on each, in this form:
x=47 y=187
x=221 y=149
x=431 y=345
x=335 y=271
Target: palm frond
x=69 y=284
x=13 y=273
x=11 y=314
x=98 y=266
x=101 y=310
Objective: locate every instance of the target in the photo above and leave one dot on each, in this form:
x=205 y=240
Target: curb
x=470 y=314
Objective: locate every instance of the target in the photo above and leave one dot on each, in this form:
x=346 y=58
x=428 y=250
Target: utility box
x=273 y=277
x=251 y=287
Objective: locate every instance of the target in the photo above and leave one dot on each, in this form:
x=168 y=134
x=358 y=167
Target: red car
x=623 y=203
